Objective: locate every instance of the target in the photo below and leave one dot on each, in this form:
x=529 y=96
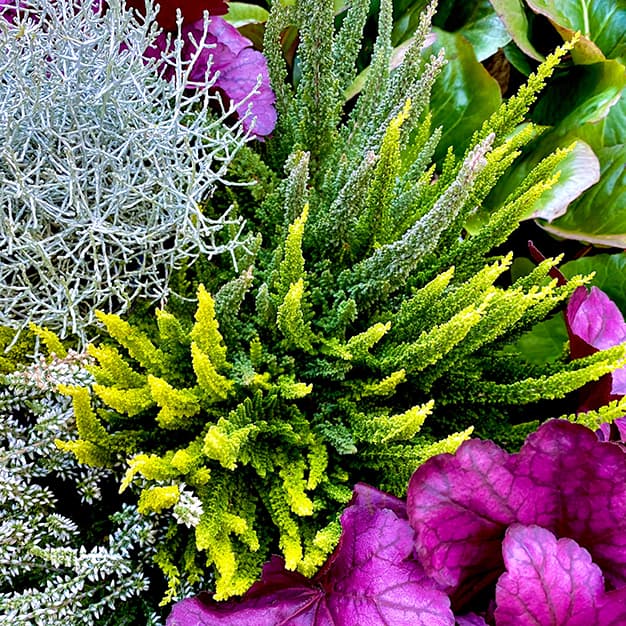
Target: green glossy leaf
x=477 y=21
x=579 y=170
x=241 y=14
x=610 y=274
x=406 y=17
x=584 y=94
x=516 y=57
x=464 y=94
x=601 y=22
x=610 y=131
x=513 y=15
x=545 y=343
x=599 y=215
x=485 y=30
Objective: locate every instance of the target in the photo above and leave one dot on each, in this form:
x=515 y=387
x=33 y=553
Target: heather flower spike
x=371 y=578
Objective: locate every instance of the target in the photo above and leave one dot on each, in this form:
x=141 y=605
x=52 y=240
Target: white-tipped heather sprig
x=105 y=167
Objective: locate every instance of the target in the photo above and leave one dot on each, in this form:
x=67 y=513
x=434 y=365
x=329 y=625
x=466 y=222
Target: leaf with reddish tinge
x=371 y=578
x=563 y=479
x=553 y=583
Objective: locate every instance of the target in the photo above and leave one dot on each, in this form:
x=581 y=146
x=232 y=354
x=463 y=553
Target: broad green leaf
x=545 y=343
x=485 y=30
x=610 y=274
x=579 y=170
x=610 y=131
x=599 y=215
x=477 y=21
x=512 y=13
x=241 y=14
x=516 y=57
x=601 y=22
x=406 y=17
x=584 y=94
x=463 y=95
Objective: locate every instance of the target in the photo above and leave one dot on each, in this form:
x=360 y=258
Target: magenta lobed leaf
x=370 y=579
x=563 y=479
x=374 y=499
x=553 y=583
x=594 y=322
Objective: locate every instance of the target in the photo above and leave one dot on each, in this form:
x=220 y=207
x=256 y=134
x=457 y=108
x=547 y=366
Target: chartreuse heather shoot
x=363 y=309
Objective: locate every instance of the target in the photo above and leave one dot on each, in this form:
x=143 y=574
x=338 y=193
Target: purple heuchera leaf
x=553 y=583
x=226 y=63
x=374 y=499
x=619 y=426
x=594 y=322
x=371 y=578
x=563 y=479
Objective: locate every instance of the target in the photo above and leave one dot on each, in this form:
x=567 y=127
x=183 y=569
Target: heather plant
x=492 y=46
x=53 y=565
x=361 y=307
x=106 y=166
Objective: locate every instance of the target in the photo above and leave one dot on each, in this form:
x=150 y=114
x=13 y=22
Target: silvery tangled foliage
x=47 y=573
x=103 y=167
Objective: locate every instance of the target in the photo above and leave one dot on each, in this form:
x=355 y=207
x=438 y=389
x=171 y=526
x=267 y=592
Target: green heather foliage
x=360 y=309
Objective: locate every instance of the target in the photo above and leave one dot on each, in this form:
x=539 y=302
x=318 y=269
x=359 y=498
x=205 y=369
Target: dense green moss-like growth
x=360 y=308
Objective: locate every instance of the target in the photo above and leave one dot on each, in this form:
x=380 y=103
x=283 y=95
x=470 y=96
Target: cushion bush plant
x=359 y=307
x=104 y=164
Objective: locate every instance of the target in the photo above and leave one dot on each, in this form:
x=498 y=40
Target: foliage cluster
x=370 y=292
x=55 y=566
x=362 y=306
x=104 y=165
x=495 y=44
x=470 y=520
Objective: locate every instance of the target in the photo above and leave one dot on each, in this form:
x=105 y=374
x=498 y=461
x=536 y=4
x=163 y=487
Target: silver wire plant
x=104 y=165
